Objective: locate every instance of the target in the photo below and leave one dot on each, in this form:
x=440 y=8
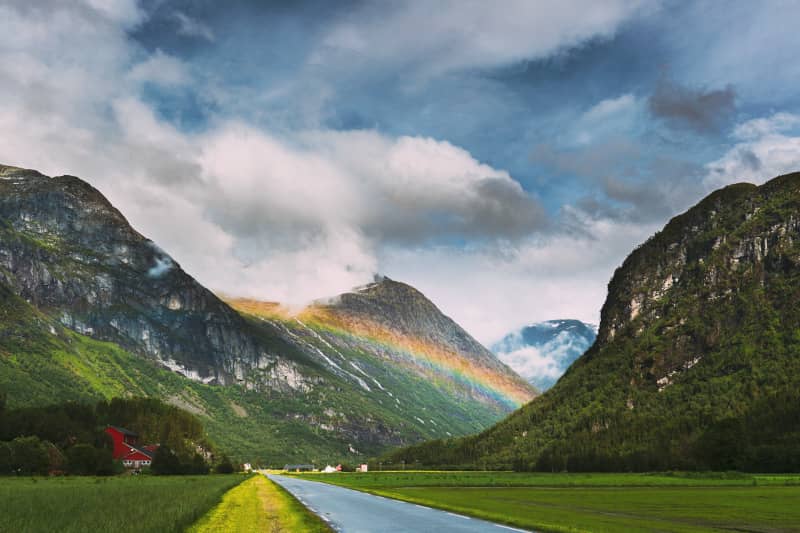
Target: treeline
x=70 y=437
x=765 y=439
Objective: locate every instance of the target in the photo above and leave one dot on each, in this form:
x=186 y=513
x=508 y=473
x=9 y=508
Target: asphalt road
x=351 y=511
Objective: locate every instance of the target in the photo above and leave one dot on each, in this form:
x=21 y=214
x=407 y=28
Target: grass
x=385 y=480
x=598 y=502
x=258 y=504
x=123 y=504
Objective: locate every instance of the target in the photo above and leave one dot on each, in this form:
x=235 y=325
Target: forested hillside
x=697 y=361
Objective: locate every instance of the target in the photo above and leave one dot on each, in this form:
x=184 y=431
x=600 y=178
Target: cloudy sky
x=503 y=157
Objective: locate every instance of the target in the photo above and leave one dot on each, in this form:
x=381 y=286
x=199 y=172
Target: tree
x=83 y=459
x=165 y=462
x=198 y=465
x=29 y=456
x=721 y=446
x=225 y=466
x=6 y=458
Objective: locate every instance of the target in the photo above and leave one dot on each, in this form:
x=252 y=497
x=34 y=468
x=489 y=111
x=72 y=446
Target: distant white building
x=362 y=468
x=247 y=467
x=329 y=469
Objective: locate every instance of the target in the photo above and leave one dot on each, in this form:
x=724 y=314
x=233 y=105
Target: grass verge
x=258 y=504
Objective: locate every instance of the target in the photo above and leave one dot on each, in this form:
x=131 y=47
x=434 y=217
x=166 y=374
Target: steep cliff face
x=697 y=361
x=69 y=252
x=693 y=280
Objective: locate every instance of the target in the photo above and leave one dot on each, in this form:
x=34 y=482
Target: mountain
x=91 y=309
x=68 y=252
x=391 y=325
x=543 y=351
x=697 y=360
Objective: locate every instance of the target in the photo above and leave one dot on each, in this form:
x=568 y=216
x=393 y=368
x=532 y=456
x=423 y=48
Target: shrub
x=225 y=466
x=83 y=459
x=29 y=456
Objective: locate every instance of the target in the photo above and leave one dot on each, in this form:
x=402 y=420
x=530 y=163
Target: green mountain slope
x=92 y=309
x=697 y=361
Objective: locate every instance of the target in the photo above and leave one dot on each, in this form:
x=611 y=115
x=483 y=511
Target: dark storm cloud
x=624 y=181
x=702 y=111
x=749 y=159
x=504 y=209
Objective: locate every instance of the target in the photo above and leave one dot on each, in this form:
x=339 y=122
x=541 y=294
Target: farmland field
x=121 y=504
x=598 y=502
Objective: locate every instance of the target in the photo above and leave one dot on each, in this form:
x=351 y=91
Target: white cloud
x=190 y=27
x=491 y=291
x=311 y=215
x=766 y=148
x=608 y=118
x=291 y=218
x=760 y=127
x=125 y=12
x=446 y=35
x=295 y=216
x=160 y=69
x=530 y=362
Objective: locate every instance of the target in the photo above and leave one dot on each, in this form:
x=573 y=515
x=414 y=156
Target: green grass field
x=122 y=504
x=598 y=502
x=258 y=504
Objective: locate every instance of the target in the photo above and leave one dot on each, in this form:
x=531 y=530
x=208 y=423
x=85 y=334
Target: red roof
x=137 y=455
x=126 y=448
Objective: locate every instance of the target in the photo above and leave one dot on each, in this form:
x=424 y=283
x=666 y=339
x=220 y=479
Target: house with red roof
x=127 y=449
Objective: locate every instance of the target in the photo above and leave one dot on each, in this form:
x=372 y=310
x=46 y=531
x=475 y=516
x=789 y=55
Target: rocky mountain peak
x=741 y=229
x=399 y=307
x=67 y=250
x=9 y=172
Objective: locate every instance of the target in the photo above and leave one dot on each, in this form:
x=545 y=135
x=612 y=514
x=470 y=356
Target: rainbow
x=433 y=361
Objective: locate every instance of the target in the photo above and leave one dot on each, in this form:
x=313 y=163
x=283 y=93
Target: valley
x=399 y=267
x=365 y=376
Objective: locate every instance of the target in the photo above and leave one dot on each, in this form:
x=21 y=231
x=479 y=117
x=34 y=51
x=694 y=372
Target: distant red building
x=127 y=450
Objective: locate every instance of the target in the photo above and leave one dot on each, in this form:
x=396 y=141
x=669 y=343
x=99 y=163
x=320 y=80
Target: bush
x=198 y=465
x=225 y=466
x=29 y=456
x=6 y=458
x=83 y=459
x=165 y=462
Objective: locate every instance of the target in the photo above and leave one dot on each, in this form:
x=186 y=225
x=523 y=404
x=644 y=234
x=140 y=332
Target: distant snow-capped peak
x=541 y=352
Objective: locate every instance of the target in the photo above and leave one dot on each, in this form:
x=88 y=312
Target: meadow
x=258 y=504
x=121 y=504
x=598 y=502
